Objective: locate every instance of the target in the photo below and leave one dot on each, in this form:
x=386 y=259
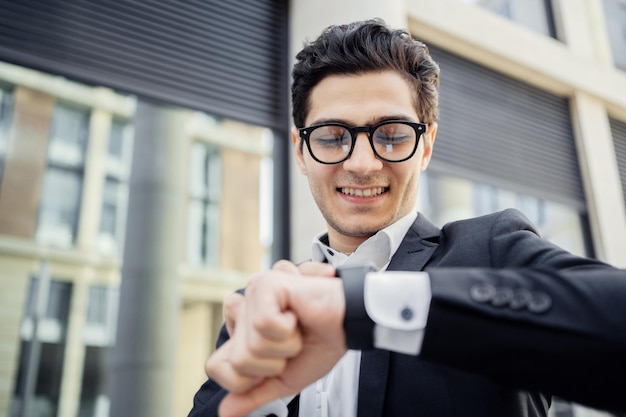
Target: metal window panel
x=618 y=130
x=503 y=132
x=228 y=59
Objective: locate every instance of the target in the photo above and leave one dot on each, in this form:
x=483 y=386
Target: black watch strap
x=358 y=326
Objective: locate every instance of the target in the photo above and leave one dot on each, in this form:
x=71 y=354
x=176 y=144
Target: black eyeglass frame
x=419 y=128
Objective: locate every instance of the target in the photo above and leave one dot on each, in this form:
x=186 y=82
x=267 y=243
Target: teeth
x=359 y=192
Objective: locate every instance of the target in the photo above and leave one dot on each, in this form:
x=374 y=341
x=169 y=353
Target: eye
x=392 y=134
x=330 y=137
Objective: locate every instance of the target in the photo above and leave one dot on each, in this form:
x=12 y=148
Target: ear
x=428 y=139
x=297 y=148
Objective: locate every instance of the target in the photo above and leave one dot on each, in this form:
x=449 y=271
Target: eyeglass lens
x=391 y=141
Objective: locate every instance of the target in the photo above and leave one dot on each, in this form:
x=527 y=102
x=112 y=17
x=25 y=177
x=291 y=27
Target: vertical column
x=142 y=369
x=605 y=199
x=13 y=291
x=93 y=185
x=74 y=360
x=581 y=25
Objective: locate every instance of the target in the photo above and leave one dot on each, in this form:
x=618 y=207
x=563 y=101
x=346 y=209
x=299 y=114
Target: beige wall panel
x=13 y=286
x=26 y=162
x=240 y=247
x=195 y=342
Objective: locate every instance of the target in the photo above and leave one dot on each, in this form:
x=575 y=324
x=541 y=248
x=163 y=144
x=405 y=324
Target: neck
x=344 y=244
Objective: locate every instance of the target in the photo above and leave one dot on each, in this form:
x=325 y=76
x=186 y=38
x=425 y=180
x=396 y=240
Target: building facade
x=133 y=201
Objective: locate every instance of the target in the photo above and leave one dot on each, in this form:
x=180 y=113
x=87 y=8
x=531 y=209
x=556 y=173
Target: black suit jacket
x=393 y=384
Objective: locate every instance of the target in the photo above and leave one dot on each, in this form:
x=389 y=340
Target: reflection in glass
x=444 y=198
x=5 y=121
x=115 y=192
x=98 y=338
x=51 y=335
x=533 y=14
x=203 y=215
x=61 y=193
x=58 y=213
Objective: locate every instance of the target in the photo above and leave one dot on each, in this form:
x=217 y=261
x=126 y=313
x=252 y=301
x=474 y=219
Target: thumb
x=242 y=404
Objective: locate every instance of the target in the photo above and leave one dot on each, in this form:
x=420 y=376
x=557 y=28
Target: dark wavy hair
x=361 y=47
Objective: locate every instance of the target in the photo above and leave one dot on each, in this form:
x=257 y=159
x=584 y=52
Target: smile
x=363 y=192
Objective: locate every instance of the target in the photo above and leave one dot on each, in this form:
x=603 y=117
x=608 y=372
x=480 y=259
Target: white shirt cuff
x=398 y=302
x=277 y=407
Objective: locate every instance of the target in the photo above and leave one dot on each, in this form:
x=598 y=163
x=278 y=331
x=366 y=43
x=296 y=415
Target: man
x=365 y=111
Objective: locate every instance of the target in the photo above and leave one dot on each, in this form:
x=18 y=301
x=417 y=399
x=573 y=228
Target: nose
x=363 y=160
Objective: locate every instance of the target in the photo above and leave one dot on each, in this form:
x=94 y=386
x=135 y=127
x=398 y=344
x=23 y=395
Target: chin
x=361 y=230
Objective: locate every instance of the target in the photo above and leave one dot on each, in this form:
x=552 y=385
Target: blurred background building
x=145 y=169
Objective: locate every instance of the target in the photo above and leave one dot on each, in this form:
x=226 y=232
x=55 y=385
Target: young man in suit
x=365 y=112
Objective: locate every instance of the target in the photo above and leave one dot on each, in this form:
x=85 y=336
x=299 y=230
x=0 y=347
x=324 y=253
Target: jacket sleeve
x=208 y=398
x=541 y=319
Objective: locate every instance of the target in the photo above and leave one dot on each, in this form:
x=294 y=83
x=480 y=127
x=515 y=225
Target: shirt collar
x=378 y=249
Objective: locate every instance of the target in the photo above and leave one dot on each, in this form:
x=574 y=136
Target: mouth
x=363 y=192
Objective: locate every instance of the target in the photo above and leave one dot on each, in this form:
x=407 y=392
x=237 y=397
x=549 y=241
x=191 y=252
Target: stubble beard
x=345 y=227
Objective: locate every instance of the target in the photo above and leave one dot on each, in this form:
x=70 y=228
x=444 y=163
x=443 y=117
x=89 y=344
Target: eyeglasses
x=391 y=141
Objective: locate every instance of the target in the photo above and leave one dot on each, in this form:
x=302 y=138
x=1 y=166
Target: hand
x=233 y=301
x=258 y=364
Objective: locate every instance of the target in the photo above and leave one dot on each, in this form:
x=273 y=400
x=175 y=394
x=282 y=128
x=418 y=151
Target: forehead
x=362 y=98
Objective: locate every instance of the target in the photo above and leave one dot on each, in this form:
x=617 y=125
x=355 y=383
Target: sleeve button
x=540 y=302
x=521 y=298
x=502 y=297
x=482 y=292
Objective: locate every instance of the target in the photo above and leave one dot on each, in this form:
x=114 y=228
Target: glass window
x=115 y=192
x=63 y=180
x=43 y=356
x=204 y=206
x=98 y=337
x=615 y=16
x=6 y=104
x=534 y=14
x=93 y=398
x=445 y=198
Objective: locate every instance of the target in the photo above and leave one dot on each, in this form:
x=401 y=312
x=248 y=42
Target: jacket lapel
x=416 y=249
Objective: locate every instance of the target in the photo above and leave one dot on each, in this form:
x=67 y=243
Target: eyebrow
x=402 y=117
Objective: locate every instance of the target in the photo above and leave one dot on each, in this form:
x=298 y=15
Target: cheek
x=317 y=174
x=408 y=184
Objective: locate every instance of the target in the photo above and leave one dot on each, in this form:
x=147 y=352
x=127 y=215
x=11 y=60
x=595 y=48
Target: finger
x=251 y=368
x=265 y=311
x=252 y=353
x=219 y=368
x=286 y=266
x=285 y=345
x=232 y=304
x=242 y=404
x=276 y=326
x=316 y=269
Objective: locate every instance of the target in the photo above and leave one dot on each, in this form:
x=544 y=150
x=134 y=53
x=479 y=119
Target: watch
x=357 y=324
